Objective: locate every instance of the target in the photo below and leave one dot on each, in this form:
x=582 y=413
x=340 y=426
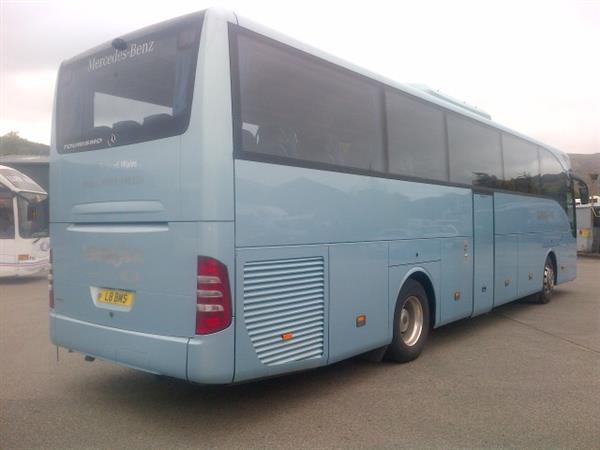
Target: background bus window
x=295 y=106
x=475 y=156
x=7 y=216
x=521 y=165
x=33 y=215
x=416 y=138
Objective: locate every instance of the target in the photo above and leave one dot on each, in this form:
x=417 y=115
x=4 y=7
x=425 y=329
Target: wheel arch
x=424 y=278
x=552 y=255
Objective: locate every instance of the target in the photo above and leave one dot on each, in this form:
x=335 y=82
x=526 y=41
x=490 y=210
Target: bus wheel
x=411 y=323
x=548 y=286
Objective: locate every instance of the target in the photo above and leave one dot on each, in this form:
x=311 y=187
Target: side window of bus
x=295 y=106
x=416 y=138
x=554 y=179
x=475 y=156
x=521 y=165
x=7 y=217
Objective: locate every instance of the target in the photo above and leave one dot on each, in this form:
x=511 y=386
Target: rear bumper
x=23 y=269
x=202 y=359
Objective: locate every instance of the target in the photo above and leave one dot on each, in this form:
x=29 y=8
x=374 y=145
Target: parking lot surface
x=523 y=376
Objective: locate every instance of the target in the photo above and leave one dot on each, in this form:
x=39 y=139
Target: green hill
x=584 y=165
x=12 y=144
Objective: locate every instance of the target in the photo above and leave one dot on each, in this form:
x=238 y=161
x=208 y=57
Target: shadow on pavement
x=179 y=410
x=139 y=392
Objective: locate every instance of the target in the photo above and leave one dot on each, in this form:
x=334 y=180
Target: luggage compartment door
x=483 y=252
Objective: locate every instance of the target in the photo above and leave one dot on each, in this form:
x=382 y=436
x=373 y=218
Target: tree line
x=13 y=144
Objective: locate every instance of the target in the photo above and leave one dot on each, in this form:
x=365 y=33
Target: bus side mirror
x=584 y=192
x=32 y=213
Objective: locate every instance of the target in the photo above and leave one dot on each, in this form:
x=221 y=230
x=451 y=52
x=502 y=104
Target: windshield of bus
x=138 y=88
x=33 y=215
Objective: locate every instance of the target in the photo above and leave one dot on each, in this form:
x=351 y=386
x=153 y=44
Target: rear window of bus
x=137 y=89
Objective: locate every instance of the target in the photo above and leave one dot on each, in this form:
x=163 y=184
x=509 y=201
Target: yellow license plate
x=116 y=297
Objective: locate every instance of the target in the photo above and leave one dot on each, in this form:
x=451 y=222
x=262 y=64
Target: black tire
x=545 y=295
x=407 y=345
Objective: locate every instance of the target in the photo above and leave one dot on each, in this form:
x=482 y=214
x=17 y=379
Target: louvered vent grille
x=285 y=296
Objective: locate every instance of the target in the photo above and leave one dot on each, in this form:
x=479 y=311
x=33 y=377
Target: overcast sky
x=534 y=66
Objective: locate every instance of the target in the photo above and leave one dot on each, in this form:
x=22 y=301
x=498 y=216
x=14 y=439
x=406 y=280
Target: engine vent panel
x=284 y=308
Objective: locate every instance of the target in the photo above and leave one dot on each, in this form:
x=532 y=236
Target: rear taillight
x=50 y=282
x=213 y=297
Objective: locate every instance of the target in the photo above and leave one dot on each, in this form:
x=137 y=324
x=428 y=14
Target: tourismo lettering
x=87 y=143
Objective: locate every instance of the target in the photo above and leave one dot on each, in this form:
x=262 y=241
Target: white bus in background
x=24 y=242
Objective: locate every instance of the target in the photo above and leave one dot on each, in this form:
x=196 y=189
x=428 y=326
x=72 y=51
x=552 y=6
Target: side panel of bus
x=527 y=231
x=316 y=249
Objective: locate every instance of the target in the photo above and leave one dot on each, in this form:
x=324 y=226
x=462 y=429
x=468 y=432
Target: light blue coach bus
x=229 y=204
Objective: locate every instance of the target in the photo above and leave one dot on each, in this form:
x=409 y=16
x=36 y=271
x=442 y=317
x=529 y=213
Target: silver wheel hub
x=548 y=279
x=411 y=321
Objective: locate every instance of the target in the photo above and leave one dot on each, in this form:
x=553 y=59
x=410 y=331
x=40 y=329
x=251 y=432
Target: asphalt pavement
x=523 y=376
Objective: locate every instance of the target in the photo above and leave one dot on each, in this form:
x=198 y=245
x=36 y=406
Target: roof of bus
x=412 y=90
x=13 y=187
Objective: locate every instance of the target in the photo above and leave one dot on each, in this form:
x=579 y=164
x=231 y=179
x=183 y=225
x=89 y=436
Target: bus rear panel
x=134 y=203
